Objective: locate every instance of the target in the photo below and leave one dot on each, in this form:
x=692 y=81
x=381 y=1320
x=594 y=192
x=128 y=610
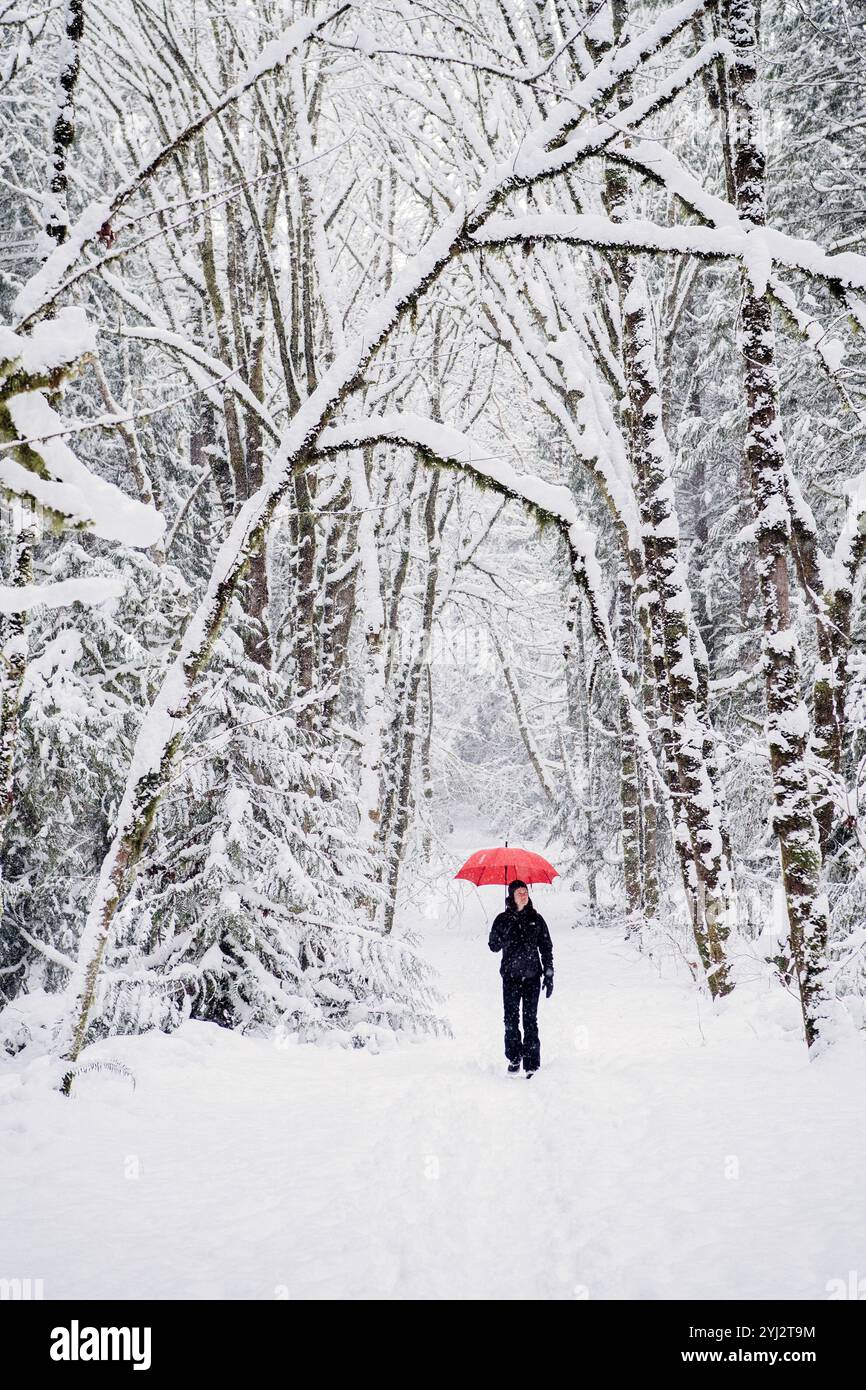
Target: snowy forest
x=430 y=426
x=418 y=416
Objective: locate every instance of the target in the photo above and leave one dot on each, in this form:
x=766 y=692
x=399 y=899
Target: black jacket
x=523 y=938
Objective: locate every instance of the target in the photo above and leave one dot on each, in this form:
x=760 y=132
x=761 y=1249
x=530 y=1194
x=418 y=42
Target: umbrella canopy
x=504 y=863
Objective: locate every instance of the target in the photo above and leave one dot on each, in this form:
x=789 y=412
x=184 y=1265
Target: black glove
x=548 y=985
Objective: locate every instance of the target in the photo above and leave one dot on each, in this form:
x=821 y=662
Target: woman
x=521 y=934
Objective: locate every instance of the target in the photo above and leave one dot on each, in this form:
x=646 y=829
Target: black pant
x=529 y=1047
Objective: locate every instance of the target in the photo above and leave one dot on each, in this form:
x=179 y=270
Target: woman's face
x=521 y=898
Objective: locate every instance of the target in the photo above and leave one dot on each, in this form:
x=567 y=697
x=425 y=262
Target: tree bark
x=629 y=775
x=63 y=134
x=787 y=717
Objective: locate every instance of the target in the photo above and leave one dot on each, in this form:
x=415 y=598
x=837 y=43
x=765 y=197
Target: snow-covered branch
x=42 y=289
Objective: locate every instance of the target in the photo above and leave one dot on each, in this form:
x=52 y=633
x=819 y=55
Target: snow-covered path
x=662 y=1151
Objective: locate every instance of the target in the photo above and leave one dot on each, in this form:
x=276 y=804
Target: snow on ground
x=664 y=1150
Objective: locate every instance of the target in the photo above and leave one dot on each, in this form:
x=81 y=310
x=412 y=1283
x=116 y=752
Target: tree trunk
x=671 y=608
x=399 y=818
x=706 y=871
x=629 y=776
x=13 y=655
x=372 y=728
x=63 y=134
x=787 y=717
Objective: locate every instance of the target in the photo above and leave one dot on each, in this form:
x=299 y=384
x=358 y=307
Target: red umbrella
x=504 y=863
